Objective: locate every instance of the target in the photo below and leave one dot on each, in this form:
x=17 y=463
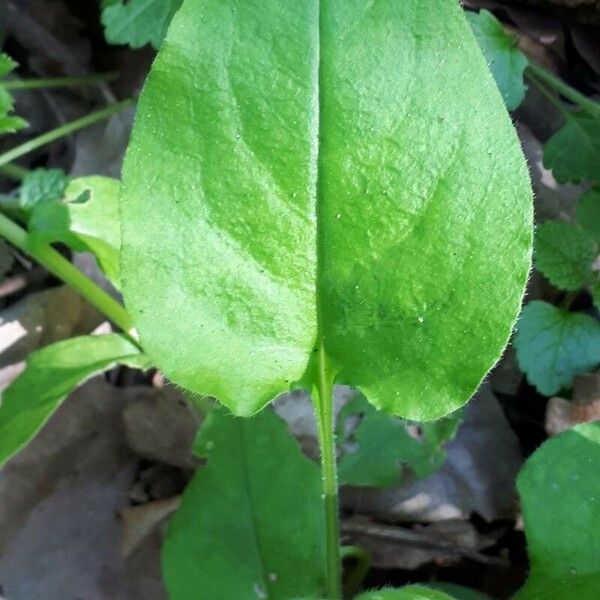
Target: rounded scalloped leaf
x=328 y=175
x=564 y=253
x=553 y=345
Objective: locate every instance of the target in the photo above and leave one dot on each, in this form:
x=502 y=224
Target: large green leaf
x=554 y=345
x=250 y=522
x=560 y=497
x=85 y=217
x=507 y=63
x=49 y=377
x=327 y=174
x=407 y=593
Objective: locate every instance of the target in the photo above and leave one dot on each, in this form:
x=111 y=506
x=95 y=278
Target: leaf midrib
x=318 y=170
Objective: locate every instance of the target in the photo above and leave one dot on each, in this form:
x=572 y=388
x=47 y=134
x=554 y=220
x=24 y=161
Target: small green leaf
x=588 y=213
x=560 y=498
x=506 y=62
x=138 y=22
x=564 y=253
x=412 y=592
x=7 y=65
x=8 y=123
x=554 y=345
x=573 y=152
x=258 y=497
x=50 y=375
x=341 y=175
x=86 y=218
x=40 y=186
x=382 y=446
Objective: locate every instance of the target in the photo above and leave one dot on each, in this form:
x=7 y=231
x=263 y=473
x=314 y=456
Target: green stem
x=564 y=89
x=62 y=131
x=54 y=82
x=49 y=258
x=14 y=171
x=323 y=403
x=549 y=95
x=568 y=299
x=359 y=572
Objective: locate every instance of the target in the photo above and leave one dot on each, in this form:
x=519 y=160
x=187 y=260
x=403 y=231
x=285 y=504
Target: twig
x=411 y=537
x=19 y=282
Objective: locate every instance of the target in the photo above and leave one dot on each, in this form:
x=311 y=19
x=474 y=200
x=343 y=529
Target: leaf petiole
x=323 y=404
x=62 y=131
x=56 y=264
x=55 y=82
x=14 y=171
x=548 y=94
x=539 y=75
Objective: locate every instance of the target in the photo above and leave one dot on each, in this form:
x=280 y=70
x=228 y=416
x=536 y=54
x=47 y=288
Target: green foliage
x=407 y=593
x=573 y=152
x=9 y=123
x=458 y=592
x=506 y=62
x=595 y=290
x=588 y=213
x=564 y=253
x=50 y=375
x=86 y=218
x=554 y=345
x=560 y=498
x=38 y=187
x=251 y=521
x=382 y=447
x=42 y=186
x=309 y=193
x=137 y=22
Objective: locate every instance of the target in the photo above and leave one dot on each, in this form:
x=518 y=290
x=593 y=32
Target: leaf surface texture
x=337 y=174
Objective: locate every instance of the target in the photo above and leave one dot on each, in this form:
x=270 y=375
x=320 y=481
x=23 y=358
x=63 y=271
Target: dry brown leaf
x=562 y=414
x=139 y=522
x=41 y=319
x=58 y=503
x=160 y=425
x=394 y=547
